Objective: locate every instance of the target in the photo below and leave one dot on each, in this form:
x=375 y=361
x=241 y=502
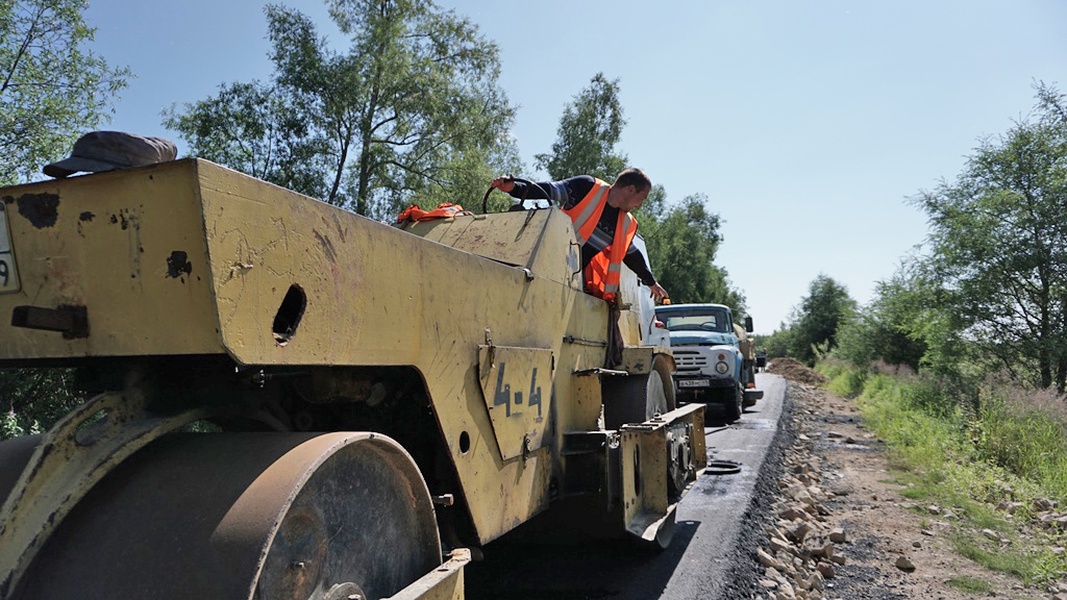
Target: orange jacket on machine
x=603 y=273
x=443 y=211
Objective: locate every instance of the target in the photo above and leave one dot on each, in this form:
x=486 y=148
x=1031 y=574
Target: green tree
x=826 y=307
x=260 y=130
x=998 y=245
x=776 y=344
x=588 y=132
x=52 y=87
x=893 y=327
x=410 y=112
x=682 y=246
x=681 y=240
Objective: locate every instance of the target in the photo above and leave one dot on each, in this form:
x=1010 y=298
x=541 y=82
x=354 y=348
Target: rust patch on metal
x=84 y=217
x=120 y=219
x=41 y=210
x=327 y=247
x=178 y=263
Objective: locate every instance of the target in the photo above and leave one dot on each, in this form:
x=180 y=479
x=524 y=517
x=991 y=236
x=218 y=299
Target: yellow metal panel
x=516 y=383
x=512 y=238
x=637 y=360
x=376 y=295
x=644 y=471
x=129 y=247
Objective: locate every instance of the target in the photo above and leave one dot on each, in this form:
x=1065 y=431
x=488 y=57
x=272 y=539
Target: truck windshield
x=713 y=320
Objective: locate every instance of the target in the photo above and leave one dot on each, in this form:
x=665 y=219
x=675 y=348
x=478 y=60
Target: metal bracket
x=600 y=371
x=72 y=321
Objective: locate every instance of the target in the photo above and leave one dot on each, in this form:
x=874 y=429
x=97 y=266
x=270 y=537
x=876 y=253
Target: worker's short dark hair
x=634 y=177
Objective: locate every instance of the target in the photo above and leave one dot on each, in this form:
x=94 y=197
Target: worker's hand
x=504 y=184
x=657 y=291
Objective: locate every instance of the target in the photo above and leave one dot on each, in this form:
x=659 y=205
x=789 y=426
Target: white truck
x=715 y=360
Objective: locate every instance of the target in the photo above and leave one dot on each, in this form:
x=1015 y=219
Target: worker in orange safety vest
x=602 y=223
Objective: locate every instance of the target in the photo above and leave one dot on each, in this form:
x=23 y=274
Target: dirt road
x=837 y=484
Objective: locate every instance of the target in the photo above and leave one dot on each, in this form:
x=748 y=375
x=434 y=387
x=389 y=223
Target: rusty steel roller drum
x=246 y=515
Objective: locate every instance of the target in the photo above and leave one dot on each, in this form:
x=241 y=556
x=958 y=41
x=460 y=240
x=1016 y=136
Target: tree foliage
x=52 y=88
x=681 y=240
x=817 y=320
x=35 y=398
x=998 y=245
x=895 y=326
x=682 y=246
x=410 y=112
x=588 y=132
x=260 y=130
x=776 y=344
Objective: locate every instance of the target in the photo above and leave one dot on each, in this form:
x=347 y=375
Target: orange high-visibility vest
x=605 y=270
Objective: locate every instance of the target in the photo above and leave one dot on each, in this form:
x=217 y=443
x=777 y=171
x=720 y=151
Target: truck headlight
x=722 y=368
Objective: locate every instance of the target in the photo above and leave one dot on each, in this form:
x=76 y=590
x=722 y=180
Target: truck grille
x=689 y=360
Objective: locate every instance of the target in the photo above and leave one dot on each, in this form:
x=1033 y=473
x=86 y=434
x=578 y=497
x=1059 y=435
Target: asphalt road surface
x=704 y=558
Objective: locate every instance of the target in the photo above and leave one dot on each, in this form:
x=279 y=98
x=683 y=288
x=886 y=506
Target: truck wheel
x=734 y=404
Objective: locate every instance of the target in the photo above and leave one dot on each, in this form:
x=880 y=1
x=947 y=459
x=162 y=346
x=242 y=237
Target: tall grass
x=1024 y=432
x=1005 y=444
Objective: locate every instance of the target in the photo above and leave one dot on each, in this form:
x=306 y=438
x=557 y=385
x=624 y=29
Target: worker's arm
x=563 y=193
x=636 y=262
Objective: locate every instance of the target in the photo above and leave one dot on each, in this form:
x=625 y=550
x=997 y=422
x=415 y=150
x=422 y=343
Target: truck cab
x=710 y=354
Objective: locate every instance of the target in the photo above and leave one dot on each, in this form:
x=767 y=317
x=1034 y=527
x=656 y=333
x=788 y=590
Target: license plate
x=9 y=278
x=692 y=383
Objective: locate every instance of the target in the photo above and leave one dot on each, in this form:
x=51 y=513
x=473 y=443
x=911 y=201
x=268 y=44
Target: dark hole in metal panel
x=289 y=313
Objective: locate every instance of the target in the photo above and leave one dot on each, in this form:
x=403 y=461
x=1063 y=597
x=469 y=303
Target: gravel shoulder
x=837 y=526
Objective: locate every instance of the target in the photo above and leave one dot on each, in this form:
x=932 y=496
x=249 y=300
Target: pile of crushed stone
x=794 y=370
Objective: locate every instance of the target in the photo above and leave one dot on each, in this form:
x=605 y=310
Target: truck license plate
x=693 y=383
x=9 y=279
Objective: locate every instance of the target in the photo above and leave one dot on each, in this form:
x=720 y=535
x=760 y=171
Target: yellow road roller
x=288 y=400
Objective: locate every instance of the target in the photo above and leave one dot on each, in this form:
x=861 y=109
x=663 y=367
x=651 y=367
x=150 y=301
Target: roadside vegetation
x=999 y=474
x=959 y=363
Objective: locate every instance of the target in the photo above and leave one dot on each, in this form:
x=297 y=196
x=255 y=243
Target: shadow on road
x=616 y=569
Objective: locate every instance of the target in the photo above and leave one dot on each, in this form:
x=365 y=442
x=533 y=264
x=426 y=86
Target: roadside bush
x=33 y=399
x=845 y=380
x=994 y=442
x=1005 y=432
x=920 y=439
x=1025 y=432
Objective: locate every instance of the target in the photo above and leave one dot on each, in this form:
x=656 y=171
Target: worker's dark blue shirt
x=569 y=192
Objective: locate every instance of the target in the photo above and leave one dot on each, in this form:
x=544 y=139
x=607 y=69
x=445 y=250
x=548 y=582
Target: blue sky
x=806 y=124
